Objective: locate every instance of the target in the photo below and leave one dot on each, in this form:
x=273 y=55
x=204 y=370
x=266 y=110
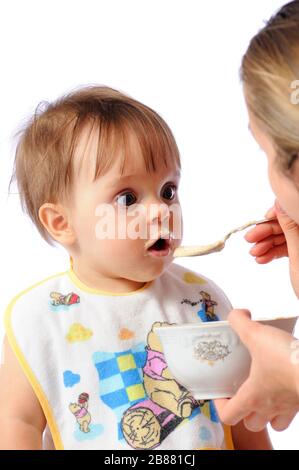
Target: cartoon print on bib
x=204 y=434
x=60 y=301
x=120 y=380
x=70 y=378
x=78 y=332
x=192 y=278
x=147 y=401
x=159 y=383
x=80 y=411
x=125 y=334
x=206 y=313
x=85 y=430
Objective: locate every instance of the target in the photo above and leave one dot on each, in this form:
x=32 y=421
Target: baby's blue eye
x=126 y=199
x=169 y=192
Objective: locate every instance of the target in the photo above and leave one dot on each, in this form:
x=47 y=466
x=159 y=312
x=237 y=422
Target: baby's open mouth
x=160 y=247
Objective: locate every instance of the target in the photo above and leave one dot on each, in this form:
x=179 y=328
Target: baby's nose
x=158 y=213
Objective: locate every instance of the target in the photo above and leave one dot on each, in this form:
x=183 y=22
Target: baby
x=98 y=172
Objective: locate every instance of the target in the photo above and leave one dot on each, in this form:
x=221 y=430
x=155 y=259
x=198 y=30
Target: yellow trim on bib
x=49 y=415
x=91 y=290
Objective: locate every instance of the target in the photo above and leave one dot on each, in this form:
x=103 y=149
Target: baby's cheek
x=112 y=246
x=83 y=230
x=124 y=252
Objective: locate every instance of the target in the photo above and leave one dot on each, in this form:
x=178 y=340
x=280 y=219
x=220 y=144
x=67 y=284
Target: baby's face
x=117 y=217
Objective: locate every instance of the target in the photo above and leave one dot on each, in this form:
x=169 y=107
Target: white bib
x=98 y=369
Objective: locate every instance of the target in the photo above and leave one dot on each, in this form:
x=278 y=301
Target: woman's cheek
x=272 y=176
x=286 y=193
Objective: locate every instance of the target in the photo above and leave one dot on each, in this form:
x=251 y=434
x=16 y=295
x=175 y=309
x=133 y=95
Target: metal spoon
x=214 y=247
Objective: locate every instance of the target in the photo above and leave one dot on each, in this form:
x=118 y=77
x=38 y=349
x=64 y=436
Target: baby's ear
x=55 y=219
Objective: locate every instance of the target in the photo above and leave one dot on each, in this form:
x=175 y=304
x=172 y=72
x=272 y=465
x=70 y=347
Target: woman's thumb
x=240 y=321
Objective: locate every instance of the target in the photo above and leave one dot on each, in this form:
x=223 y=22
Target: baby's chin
x=153 y=272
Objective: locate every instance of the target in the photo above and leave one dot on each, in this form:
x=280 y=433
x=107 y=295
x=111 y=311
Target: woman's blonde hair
x=269 y=70
x=43 y=167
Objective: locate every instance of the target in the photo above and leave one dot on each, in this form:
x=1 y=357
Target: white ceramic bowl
x=209 y=359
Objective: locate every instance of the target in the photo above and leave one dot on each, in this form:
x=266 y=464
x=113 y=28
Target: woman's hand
x=276 y=239
x=271 y=392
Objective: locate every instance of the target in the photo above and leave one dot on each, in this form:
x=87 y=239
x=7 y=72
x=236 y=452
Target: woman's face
x=283 y=187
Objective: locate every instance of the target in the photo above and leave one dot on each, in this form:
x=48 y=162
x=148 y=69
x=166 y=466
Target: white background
x=181 y=58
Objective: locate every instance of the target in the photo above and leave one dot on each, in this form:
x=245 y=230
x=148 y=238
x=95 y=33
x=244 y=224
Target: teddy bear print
x=80 y=411
x=159 y=383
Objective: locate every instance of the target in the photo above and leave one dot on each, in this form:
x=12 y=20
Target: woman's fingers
x=255 y=422
x=282 y=422
x=237 y=408
x=270 y=242
x=273 y=253
x=262 y=231
x=262 y=247
x=221 y=404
